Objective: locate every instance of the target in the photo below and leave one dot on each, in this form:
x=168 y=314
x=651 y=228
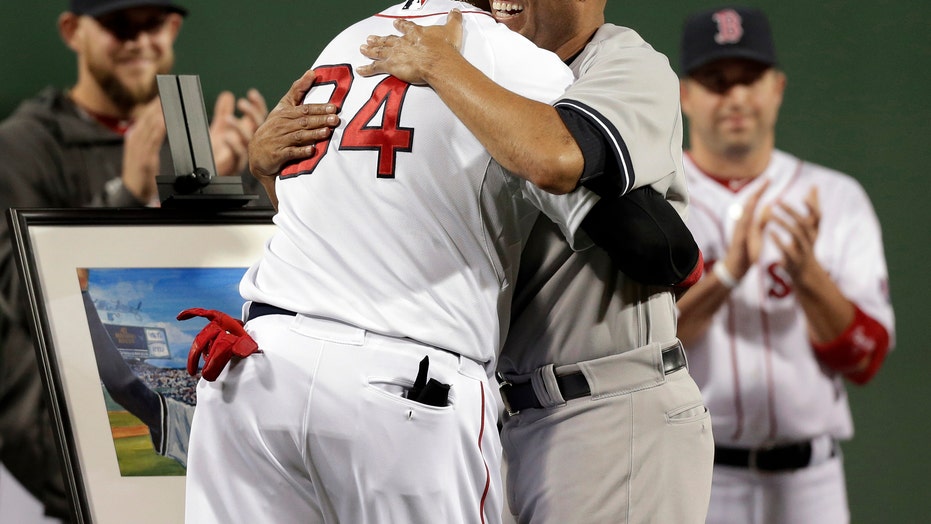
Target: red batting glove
x=219 y=341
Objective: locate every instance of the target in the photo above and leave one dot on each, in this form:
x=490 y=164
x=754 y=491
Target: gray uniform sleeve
x=627 y=92
x=623 y=112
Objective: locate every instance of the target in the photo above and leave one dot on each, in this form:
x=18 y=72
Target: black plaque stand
x=195 y=183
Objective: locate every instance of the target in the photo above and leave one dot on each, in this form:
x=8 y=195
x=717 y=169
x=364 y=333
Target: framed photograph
x=104 y=289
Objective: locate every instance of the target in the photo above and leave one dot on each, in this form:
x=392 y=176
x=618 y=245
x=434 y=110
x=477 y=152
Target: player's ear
x=174 y=23
x=684 y=94
x=779 y=84
x=781 y=80
x=68 y=29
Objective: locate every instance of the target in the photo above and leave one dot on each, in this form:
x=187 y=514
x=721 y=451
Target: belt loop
x=545 y=386
x=823 y=448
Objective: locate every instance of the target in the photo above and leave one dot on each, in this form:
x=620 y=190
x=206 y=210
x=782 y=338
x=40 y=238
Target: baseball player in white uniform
x=396 y=241
x=796 y=300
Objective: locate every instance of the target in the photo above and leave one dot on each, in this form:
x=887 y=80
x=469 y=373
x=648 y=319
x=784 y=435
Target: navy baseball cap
x=725 y=32
x=97 y=8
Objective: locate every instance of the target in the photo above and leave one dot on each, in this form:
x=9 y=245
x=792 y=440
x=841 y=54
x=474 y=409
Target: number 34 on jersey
x=386 y=137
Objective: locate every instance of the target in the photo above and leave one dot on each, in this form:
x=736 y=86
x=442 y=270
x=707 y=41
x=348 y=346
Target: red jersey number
x=386 y=137
x=341 y=77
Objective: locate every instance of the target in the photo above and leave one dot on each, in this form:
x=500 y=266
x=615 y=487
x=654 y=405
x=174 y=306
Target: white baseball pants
x=316 y=430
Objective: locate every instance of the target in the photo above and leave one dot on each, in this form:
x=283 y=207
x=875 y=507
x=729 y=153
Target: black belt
x=260 y=309
x=518 y=397
x=776 y=458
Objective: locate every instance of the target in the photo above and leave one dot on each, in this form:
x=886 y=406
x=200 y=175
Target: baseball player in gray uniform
x=796 y=301
x=605 y=423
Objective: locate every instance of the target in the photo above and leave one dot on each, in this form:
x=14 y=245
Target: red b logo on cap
x=730 y=27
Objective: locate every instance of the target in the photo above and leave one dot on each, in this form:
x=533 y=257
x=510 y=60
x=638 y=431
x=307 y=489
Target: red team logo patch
x=730 y=26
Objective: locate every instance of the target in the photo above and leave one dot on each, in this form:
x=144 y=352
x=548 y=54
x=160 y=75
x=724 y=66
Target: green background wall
x=857 y=101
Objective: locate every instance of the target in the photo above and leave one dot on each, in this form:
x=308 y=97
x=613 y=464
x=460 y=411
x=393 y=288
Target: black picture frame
x=48 y=245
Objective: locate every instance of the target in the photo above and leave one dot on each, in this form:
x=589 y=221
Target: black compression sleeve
x=645 y=237
x=601 y=173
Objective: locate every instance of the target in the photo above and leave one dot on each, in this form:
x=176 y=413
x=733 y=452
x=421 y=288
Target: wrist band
x=725 y=276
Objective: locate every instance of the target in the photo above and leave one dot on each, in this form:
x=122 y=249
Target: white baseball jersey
x=399 y=224
x=756 y=367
